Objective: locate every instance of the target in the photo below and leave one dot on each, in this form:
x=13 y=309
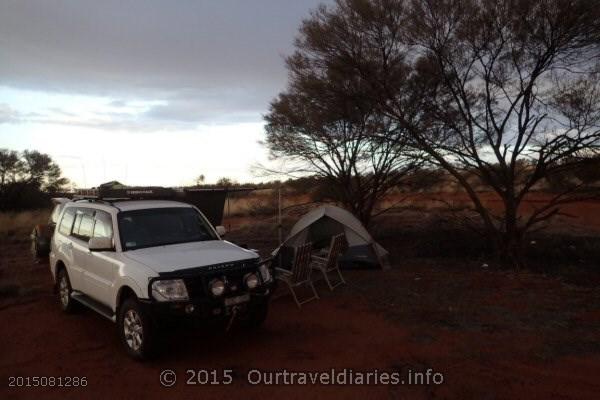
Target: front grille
x=195 y=287
x=233 y=273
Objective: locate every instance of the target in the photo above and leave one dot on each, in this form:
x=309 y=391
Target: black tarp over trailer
x=211 y=201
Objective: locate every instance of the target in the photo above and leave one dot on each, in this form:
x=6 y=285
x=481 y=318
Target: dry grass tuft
x=20 y=223
x=261 y=203
x=238 y=206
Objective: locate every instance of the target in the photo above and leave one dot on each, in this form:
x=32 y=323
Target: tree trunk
x=508 y=246
x=513 y=236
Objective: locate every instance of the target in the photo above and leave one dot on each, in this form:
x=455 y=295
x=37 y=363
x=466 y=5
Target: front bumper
x=206 y=308
x=202 y=304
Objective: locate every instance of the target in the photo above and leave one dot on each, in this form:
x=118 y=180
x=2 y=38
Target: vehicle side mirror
x=221 y=230
x=101 y=244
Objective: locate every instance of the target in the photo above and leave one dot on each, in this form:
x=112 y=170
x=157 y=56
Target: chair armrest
x=282 y=271
x=265 y=260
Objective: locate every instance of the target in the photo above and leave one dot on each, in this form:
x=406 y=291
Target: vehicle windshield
x=162 y=226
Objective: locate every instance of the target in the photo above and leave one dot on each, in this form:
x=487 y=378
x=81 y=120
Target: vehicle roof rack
x=137 y=193
x=210 y=200
x=92 y=199
x=110 y=195
x=78 y=197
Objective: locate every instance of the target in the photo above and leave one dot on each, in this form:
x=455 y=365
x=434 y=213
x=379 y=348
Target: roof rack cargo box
x=138 y=193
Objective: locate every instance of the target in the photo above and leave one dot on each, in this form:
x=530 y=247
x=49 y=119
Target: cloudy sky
x=144 y=92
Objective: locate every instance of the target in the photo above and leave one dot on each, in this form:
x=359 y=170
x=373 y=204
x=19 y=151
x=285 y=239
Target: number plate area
x=232 y=301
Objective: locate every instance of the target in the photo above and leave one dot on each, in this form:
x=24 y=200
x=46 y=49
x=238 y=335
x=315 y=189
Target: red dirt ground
x=584 y=213
x=493 y=334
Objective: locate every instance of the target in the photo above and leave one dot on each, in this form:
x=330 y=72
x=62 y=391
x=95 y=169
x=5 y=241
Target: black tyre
x=64 y=290
x=36 y=248
x=256 y=315
x=136 y=330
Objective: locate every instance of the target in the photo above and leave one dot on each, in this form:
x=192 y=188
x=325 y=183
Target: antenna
x=279 y=227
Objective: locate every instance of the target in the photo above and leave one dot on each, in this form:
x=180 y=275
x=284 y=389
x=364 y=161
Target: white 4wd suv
x=139 y=262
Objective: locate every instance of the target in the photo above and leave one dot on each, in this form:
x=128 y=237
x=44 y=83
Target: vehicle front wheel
x=64 y=291
x=136 y=330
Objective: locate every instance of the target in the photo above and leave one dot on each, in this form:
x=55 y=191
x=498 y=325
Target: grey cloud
x=132 y=125
x=60 y=111
x=215 y=105
x=227 y=54
x=168 y=117
x=116 y=120
x=118 y=103
x=8 y=114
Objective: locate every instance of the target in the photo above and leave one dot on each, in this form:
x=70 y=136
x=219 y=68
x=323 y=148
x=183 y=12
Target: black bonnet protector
x=227 y=267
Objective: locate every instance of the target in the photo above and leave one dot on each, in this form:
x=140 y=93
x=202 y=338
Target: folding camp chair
x=299 y=274
x=330 y=264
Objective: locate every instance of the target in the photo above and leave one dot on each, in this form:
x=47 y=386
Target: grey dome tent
x=320 y=224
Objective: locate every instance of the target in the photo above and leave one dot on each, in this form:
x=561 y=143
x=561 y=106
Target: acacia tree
x=10 y=165
x=323 y=124
x=39 y=169
x=516 y=99
x=31 y=167
x=506 y=90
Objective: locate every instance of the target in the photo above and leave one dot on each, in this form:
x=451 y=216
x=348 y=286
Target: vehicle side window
x=84 y=224
x=103 y=226
x=78 y=217
x=86 y=228
x=66 y=222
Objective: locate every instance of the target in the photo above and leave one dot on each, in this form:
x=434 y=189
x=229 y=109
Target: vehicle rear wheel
x=36 y=251
x=64 y=291
x=136 y=330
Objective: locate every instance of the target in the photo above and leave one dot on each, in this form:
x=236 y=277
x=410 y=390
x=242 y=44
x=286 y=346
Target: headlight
x=265 y=273
x=169 y=290
x=217 y=287
x=251 y=281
